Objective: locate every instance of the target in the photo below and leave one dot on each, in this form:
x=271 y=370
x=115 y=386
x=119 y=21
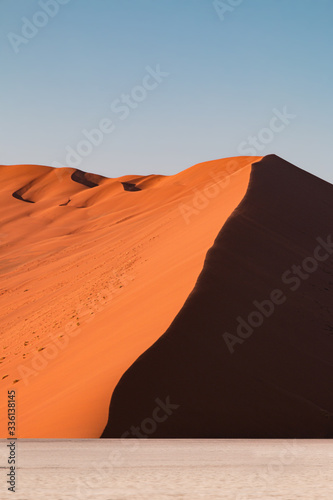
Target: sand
x=250 y=354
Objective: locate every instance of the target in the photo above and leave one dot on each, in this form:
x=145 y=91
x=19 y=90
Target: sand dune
x=250 y=353
x=93 y=271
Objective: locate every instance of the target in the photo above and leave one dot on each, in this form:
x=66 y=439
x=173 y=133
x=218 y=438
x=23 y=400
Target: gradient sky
x=226 y=76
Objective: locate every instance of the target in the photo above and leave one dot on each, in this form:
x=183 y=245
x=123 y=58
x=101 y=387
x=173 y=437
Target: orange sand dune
x=249 y=355
x=93 y=271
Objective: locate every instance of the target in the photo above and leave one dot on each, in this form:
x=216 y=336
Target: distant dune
x=250 y=354
x=93 y=271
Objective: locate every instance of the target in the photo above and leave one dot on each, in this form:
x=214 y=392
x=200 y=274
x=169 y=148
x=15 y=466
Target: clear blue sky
x=227 y=73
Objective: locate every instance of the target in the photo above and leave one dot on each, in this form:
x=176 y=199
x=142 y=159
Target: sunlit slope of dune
x=93 y=271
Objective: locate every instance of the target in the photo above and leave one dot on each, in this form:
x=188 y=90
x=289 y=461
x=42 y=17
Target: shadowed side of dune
x=18 y=196
x=128 y=186
x=250 y=354
x=86 y=179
